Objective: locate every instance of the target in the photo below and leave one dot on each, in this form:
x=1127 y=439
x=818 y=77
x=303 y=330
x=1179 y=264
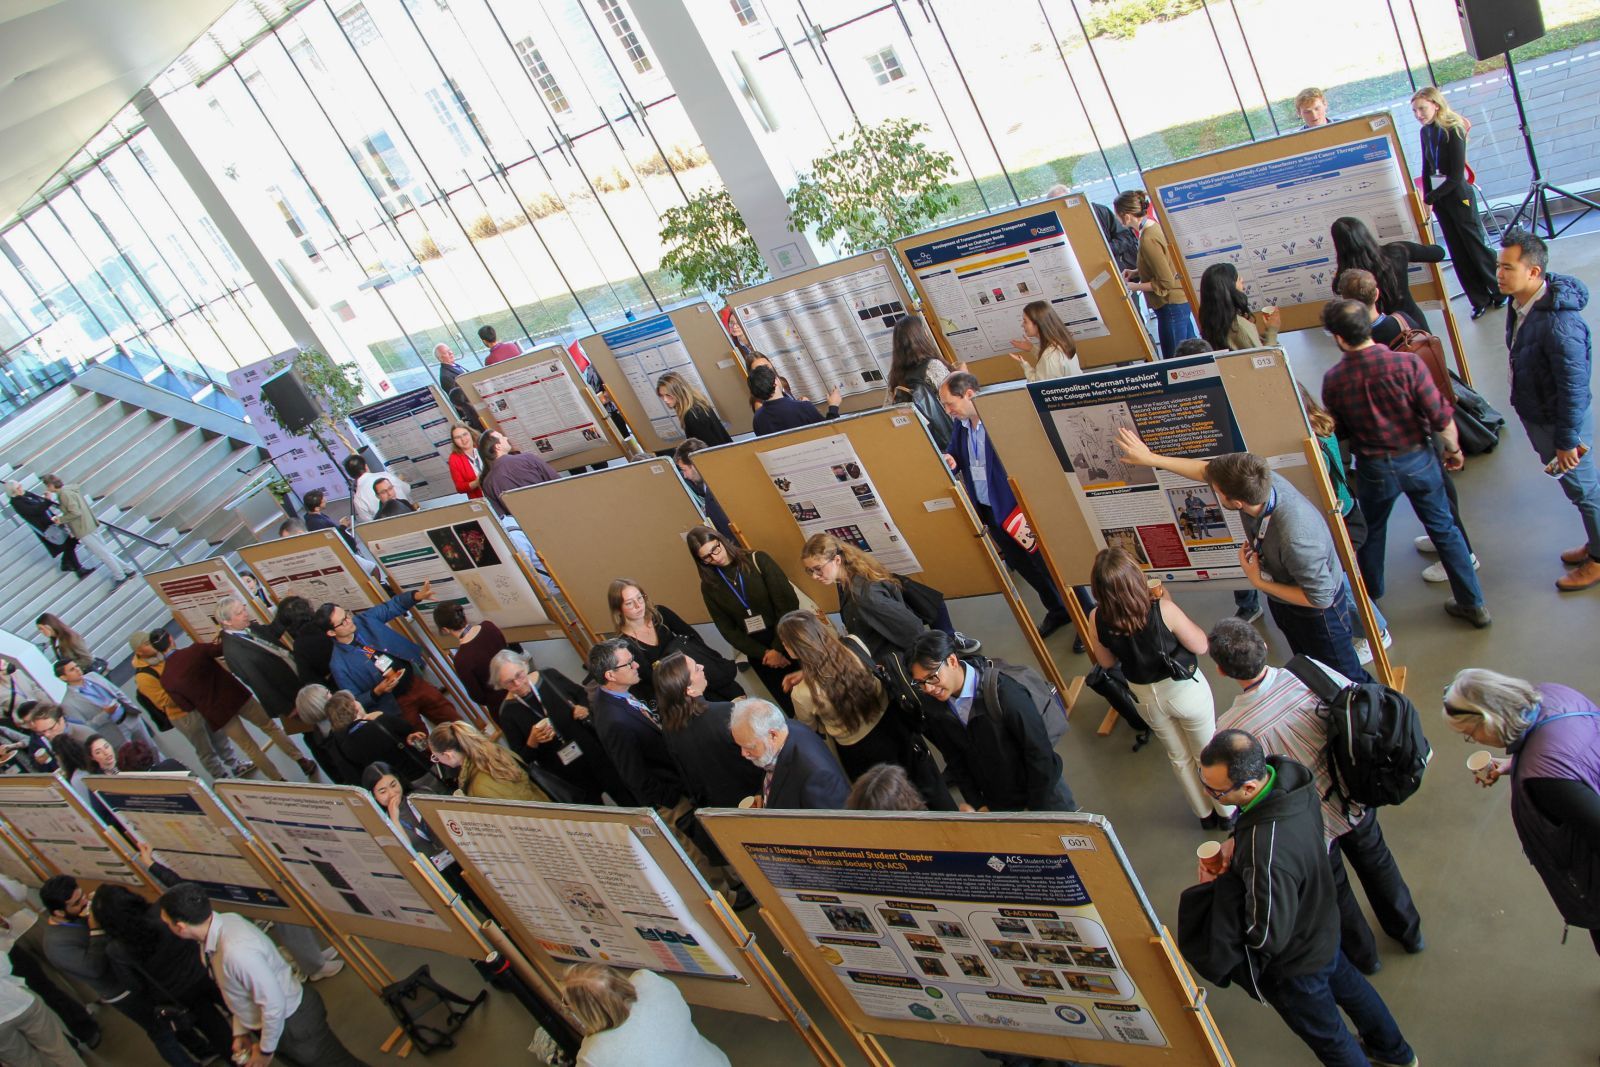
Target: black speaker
x=296 y=407
x=1492 y=27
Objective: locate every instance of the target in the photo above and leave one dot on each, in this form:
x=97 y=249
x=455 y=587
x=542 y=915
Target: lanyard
x=1266 y=521
x=738 y=590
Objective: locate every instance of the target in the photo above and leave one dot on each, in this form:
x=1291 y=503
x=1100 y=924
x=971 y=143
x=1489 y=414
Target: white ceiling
x=68 y=66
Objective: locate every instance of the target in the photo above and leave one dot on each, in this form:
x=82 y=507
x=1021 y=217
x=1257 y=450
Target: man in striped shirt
x=1287 y=717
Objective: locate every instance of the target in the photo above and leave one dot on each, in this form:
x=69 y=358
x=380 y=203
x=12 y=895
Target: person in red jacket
x=197 y=682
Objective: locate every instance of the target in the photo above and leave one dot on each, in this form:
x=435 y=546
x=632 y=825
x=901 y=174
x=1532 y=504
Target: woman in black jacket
x=36 y=511
x=394 y=797
x=697 y=737
x=367 y=737
x=652 y=631
x=693 y=409
x=546 y=721
x=871 y=601
x=1445 y=189
x=1355 y=248
x=746 y=594
x=916 y=370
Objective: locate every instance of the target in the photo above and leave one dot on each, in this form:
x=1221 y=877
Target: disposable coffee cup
x=1209 y=853
x=1480 y=763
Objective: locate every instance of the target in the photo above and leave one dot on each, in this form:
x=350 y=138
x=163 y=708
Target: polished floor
x=1496 y=985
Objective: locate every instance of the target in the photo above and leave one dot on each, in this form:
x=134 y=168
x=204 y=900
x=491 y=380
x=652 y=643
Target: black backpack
x=1044 y=697
x=924 y=601
x=1478 y=424
x=1376 y=749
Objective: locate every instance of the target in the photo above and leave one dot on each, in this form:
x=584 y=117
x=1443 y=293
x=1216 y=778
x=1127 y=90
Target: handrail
x=152 y=542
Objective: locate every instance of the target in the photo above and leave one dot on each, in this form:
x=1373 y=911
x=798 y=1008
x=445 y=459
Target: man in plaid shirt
x=1387 y=406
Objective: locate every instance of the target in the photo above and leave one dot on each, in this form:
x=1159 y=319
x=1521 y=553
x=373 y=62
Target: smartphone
x=1553 y=469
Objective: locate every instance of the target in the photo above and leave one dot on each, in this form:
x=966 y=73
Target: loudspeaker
x=296 y=406
x=1492 y=27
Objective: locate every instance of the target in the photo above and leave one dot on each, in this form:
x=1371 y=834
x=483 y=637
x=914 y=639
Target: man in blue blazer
x=802 y=772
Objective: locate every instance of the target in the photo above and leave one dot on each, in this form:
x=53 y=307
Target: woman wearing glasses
x=482 y=768
x=746 y=594
x=871 y=600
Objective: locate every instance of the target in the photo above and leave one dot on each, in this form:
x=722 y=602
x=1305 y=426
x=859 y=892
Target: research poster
x=193 y=599
x=539 y=409
x=828 y=490
x=301 y=461
x=469 y=563
x=189 y=840
x=319 y=838
x=1006 y=941
x=412 y=434
x=13 y=867
x=836 y=332
x=315 y=573
x=977 y=283
x=589 y=891
x=1271 y=220
x=645 y=351
x=61 y=834
x=1175 y=527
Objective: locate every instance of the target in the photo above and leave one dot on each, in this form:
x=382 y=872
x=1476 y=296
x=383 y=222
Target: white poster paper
x=827 y=490
x=301 y=461
x=411 y=433
x=193 y=599
x=539 y=409
x=314 y=573
x=61 y=834
x=645 y=351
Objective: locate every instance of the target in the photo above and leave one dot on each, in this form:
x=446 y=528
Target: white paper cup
x=1479 y=763
x=1208 y=851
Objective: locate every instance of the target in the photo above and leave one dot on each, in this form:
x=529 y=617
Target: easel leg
x=867 y=1044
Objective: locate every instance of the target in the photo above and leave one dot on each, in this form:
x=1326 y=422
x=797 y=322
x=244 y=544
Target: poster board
x=464 y=551
x=57 y=828
x=975 y=276
x=543 y=406
x=16 y=862
x=317 y=565
x=688 y=340
x=347 y=858
x=195 y=836
x=1025 y=933
x=651 y=550
x=829 y=325
x=191 y=594
x=411 y=434
x=1260 y=206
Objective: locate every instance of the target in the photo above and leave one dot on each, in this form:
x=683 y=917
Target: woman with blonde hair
x=653 y=631
x=483 y=768
x=465 y=462
x=1048 y=350
x=693 y=409
x=872 y=601
x=1446 y=189
x=631 y=1019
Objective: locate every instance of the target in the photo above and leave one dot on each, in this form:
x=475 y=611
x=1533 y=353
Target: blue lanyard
x=738 y=590
x=1266 y=521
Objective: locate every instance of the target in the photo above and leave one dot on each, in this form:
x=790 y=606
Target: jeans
x=1368 y=854
x=1174 y=323
x=1324 y=634
x=1027 y=564
x=1310 y=1005
x=1247 y=601
x=1581 y=483
x=1380 y=481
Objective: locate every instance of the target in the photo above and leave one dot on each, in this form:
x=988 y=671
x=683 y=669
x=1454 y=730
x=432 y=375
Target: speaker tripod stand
x=1536 y=205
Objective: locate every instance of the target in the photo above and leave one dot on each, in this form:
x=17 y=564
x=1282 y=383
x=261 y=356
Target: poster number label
x=1074 y=843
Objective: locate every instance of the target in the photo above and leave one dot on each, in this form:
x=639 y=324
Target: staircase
x=161 y=467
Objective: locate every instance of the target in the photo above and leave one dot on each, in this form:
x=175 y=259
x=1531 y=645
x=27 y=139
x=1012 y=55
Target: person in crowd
x=256 y=658
x=313 y=504
x=96 y=700
x=1551 y=734
x=80 y=519
x=630 y=731
x=450 y=370
x=1446 y=190
x=160 y=969
x=504 y=470
x=800 y=771
x=498 y=350
x=884 y=788
x=1387 y=405
x=1354 y=248
x=41 y=513
x=746 y=593
x=291 y=528
x=1226 y=321
x=364 y=737
x=1046 y=349
x=761 y=359
x=871 y=600
x=390 y=502
x=74 y=764
x=466 y=464
x=17 y=688
x=1552 y=363
x=378 y=665
x=654 y=630
x=780 y=412
x=30 y=1033
x=1287 y=554
x=139 y=756
x=253 y=588
x=201 y=685
x=698 y=736
x=704 y=500
x=1289 y=720
x=1155 y=276
x=394 y=797
x=1312 y=107
x=916 y=370
x=274 y=1013
x=477 y=643
x=545 y=718
x=996 y=751
x=632 y=1019
x=1122 y=241
x=974 y=460
x=693 y=409
x=480 y=767
x=1268 y=920
x=295 y=625
x=50 y=724
x=1145 y=634
x=735 y=331
x=364 y=502
x=67 y=643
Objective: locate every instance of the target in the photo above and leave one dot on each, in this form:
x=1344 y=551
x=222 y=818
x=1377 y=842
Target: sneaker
x=1478 y=616
x=1250 y=614
x=1435 y=572
x=327 y=970
x=1425 y=545
x=966 y=646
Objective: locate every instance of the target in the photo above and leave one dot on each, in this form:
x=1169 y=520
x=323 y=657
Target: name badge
x=443 y=861
x=569 y=753
x=755 y=624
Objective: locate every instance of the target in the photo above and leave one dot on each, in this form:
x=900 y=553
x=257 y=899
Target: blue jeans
x=1310 y=1005
x=1349 y=597
x=1380 y=481
x=1581 y=483
x=1174 y=323
x=1324 y=634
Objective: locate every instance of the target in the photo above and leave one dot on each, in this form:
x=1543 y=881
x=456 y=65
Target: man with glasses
x=629 y=730
x=382 y=668
x=998 y=754
x=1264 y=913
x=801 y=770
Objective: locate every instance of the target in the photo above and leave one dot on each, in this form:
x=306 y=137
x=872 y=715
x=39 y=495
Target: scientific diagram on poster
x=588 y=891
x=469 y=563
x=412 y=434
x=1271 y=220
x=827 y=490
x=1010 y=942
x=315 y=573
x=645 y=351
x=539 y=409
x=1171 y=525
x=61 y=834
x=977 y=284
x=835 y=332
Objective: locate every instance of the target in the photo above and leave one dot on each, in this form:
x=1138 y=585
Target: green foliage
x=336 y=387
x=881 y=185
x=708 y=245
x=1122 y=18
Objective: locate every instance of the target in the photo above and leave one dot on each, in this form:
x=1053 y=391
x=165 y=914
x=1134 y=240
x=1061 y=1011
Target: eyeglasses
x=926 y=684
x=815 y=570
x=1218 y=794
x=624 y=664
x=709 y=554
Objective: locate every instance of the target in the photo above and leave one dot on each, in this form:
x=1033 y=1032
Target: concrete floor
x=1495 y=984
